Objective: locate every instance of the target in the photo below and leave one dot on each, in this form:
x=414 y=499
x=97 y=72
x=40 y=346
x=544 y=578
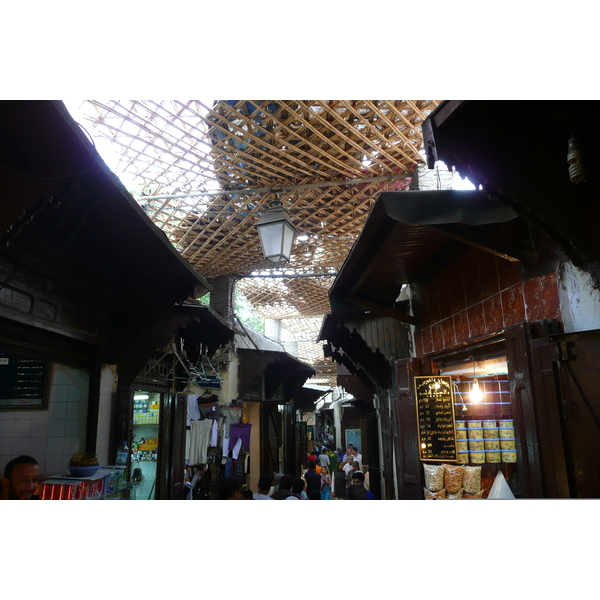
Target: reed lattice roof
x=204 y=171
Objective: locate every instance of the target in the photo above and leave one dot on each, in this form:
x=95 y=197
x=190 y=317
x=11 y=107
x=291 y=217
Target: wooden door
x=524 y=406
x=409 y=471
x=270 y=438
x=387 y=451
x=301 y=448
x=577 y=372
x=373 y=455
x=121 y=424
x=171 y=447
x=553 y=382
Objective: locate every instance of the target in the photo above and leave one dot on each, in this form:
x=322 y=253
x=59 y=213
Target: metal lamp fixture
x=276 y=233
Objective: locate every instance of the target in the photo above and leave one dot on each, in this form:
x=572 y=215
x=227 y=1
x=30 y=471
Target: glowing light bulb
x=476 y=393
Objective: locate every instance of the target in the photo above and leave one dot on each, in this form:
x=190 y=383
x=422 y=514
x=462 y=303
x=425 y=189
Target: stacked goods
x=83 y=488
x=441 y=495
x=147 y=450
x=434 y=477
x=507 y=441
x=453 y=481
x=462 y=442
x=488 y=441
x=492 y=446
x=145 y=412
x=476 y=496
x=61 y=489
x=475 y=437
x=472 y=482
x=443 y=481
x=458 y=496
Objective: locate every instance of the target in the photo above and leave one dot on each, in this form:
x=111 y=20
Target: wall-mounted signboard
x=435 y=418
x=23 y=383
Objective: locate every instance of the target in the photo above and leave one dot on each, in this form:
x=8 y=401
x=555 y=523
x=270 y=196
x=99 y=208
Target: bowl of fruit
x=83 y=464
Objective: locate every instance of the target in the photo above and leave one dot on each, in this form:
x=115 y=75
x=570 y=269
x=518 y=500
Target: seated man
x=21 y=478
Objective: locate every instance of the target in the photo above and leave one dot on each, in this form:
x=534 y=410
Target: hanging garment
x=236 y=449
x=209 y=411
x=225 y=446
x=241 y=431
x=214 y=435
x=199 y=438
x=239 y=467
x=193 y=413
x=232 y=415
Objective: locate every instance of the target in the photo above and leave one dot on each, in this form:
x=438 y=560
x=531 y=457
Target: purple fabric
x=236 y=432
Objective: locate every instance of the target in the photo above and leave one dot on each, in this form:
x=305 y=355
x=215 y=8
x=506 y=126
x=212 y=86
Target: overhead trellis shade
x=175 y=147
x=247 y=150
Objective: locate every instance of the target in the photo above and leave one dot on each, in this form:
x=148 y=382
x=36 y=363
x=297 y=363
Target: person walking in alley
x=313 y=479
x=264 y=487
x=358 y=480
x=333 y=459
x=285 y=488
x=355 y=468
x=323 y=458
x=297 y=491
x=339 y=482
x=230 y=488
x=325 y=484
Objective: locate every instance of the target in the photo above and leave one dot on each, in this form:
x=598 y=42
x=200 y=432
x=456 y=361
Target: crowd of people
x=330 y=475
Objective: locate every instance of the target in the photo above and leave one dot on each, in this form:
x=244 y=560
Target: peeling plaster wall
x=229 y=389
x=579 y=299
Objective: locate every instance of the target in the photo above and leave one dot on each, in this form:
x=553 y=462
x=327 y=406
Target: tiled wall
x=477 y=296
x=51 y=436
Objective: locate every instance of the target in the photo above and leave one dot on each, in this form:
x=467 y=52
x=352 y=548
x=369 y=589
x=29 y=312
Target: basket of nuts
x=83 y=464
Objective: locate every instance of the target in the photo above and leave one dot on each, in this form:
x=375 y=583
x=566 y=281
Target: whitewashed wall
x=579 y=299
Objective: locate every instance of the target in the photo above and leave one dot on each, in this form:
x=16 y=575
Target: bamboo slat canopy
x=205 y=170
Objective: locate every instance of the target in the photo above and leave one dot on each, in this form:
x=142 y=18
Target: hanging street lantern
x=276 y=233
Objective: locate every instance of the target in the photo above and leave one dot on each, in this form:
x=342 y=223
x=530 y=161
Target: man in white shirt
x=323 y=458
x=348 y=466
x=357 y=457
x=264 y=485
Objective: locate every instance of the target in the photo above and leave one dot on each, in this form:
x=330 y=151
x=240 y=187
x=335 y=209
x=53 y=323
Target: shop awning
x=77 y=249
x=410 y=236
x=540 y=158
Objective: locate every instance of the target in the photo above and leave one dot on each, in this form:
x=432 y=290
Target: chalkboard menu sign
x=435 y=418
x=23 y=383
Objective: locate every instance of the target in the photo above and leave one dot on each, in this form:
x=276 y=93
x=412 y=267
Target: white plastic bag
x=500 y=489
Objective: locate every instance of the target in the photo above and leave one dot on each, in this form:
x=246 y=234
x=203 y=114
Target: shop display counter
x=107 y=483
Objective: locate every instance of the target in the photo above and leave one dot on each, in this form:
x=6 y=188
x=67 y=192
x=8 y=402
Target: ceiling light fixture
x=476 y=394
x=276 y=233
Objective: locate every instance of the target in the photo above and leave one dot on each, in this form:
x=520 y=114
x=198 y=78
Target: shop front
x=482 y=310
